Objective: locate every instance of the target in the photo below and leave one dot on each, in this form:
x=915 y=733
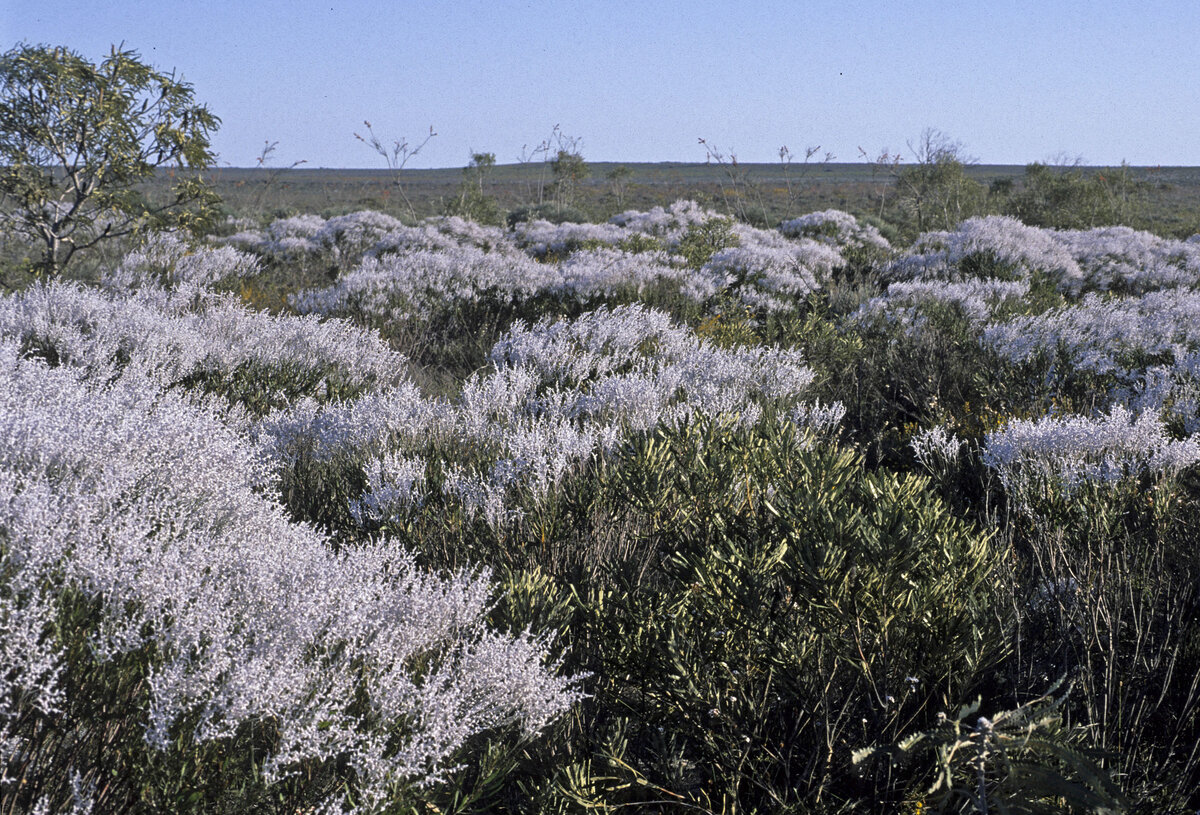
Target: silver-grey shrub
x=188 y=333
x=1061 y=453
x=1023 y=251
x=147 y=504
x=559 y=394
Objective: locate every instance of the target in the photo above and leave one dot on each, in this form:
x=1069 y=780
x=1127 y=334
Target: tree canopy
x=76 y=139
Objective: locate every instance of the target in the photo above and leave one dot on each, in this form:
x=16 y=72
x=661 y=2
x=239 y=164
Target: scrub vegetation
x=700 y=506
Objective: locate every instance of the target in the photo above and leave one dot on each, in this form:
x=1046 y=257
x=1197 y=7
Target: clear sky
x=643 y=81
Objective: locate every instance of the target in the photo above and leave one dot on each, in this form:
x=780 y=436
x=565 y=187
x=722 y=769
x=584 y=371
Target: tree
x=619 y=177
x=1065 y=196
x=76 y=140
x=472 y=201
x=569 y=169
x=936 y=189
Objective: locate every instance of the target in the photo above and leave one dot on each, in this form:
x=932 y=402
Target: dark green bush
x=785 y=607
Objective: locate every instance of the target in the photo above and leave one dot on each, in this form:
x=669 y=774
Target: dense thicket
x=667 y=513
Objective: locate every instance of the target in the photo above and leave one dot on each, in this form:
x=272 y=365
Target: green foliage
x=76 y=138
x=793 y=604
x=473 y=202
x=618 y=177
x=545 y=212
x=1069 y=198
x=893 y=380
x=936 y=191
x=1020 y=761
x=1107 y=591
x=703 y=240
x=640 y=242
x=569 y=170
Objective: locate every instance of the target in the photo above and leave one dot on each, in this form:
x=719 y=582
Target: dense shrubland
x=667 y=513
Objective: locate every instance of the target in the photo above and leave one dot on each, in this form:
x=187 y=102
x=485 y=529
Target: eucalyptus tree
x=79 y=139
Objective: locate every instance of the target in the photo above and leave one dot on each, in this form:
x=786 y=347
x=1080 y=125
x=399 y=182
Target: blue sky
x=643 y=81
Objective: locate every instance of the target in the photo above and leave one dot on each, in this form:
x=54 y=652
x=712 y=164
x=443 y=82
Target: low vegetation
x=665 y=512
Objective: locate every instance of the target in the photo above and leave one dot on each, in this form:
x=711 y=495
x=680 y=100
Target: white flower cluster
x=589 y=274
x=396 y=286
x=1117 y=257
x=904 y=302
x=1101 y=259
x=561 y=392
x=541 y=237
x=1171 y=391
x=1023 y=251
x=447 y=233
x=770 y=272
x=168 y=260
x=837 y=228
x=145 y=503
x=1031 y=455
x=410 y=271
x=668 y=224
x=935 y=447
x=180 y=334
x=1105 y=335
x=418 y=282
x=306 y=234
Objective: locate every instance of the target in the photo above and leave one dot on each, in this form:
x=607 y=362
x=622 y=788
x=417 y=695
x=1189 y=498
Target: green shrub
x=794 y=605
x=705 y=239
x=1107 y=591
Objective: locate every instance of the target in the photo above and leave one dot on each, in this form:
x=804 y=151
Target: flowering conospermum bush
x=994 y=246
x=168 y=260
x=1140 y=352
x=560 y=393
x=669 y=224
x=136 y=521
x=421 y=283
x=345 y=239
x=541 y=237
x=1122 y=259
x=303 y=234
x=978 y=300
x=396 y=286
x=594 y=415
x=1104 y=335
x=837 y=228
x=189 y=335
x=769 y=272
x=415 y=271
x=1067 y=451
x=1115 y=258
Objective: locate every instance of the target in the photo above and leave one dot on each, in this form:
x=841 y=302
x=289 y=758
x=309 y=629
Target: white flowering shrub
x=771 y=273
x=589 y=275
x=838 y=229
x=1068 y=451
x=398 y=286
x=188 y=335
x=145 y=506
x=168 y=260
x=994 y=246
x=1118 y=258
x=560 y=393
x=540 y=238
x=669 y=224
x=1171 y=391
x=1104 y=335
x=936 y=447
x=903 y=303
